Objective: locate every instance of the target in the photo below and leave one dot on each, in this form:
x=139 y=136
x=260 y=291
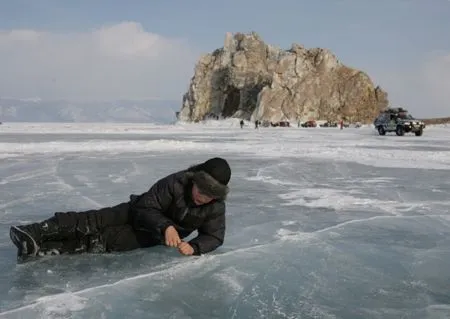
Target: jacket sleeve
x=150 y=207
x=211 y=234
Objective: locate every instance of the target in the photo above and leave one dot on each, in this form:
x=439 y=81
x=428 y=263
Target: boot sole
x=18 y=237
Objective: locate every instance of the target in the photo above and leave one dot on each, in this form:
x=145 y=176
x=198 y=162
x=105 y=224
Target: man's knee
x=123 y=238
x=119 y=238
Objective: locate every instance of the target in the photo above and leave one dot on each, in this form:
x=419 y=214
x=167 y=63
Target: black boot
x=50 y=248
x=28 y=238
x=26 y=245
x=85 y=244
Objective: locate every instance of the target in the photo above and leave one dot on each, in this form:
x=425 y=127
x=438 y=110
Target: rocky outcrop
x=251 y=80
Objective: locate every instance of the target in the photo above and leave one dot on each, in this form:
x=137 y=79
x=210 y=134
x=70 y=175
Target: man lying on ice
x=174 y=207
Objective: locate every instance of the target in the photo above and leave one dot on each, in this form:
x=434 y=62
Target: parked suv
x=399 y=121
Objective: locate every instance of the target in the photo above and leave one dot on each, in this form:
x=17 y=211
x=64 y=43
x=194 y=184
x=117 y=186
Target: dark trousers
x=101 y=230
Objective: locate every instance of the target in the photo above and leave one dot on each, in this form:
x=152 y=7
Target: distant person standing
x=242 y=123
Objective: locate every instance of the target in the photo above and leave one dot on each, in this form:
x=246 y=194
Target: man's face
x=198 y=197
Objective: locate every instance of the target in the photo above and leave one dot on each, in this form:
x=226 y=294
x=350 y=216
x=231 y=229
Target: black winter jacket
x=169 y=203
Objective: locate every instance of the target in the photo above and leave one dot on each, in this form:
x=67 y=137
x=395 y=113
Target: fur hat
x=212 y=177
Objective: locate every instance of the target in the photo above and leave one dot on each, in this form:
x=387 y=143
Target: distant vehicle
x=328 y=124
x=265 y=123
x=399 y=121
x=310 y=123
x=280 y=124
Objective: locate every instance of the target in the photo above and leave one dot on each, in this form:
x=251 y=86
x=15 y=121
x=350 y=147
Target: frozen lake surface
x=321 y=223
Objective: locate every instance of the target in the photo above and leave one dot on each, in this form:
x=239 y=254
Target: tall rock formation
x=252 y=80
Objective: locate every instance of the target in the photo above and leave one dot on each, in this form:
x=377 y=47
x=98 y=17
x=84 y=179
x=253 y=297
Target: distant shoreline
x=437 y=120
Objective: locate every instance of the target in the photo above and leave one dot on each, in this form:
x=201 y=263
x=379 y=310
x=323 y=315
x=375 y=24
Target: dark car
x=310 y=123
x=398 y=120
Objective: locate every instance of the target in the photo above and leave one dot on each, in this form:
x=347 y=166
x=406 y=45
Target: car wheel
x=419 y=132
x=381 y=130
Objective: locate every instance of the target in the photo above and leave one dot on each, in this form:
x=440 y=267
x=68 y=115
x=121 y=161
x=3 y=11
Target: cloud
x=111 y=62
x=422 y=87
x=437 y=80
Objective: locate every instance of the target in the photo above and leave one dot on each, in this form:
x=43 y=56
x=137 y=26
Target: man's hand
x=185 y=248
x=171 y=236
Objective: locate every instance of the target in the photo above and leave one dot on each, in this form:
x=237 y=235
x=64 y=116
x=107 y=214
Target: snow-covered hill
x=130 y=111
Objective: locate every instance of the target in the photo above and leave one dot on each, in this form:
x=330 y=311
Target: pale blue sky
x=403 y=45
